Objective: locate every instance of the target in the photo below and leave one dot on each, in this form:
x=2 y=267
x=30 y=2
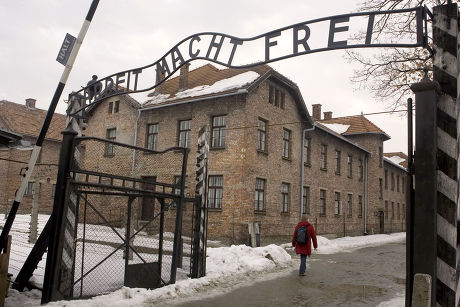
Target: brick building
x=19 y=129
x=269 y=160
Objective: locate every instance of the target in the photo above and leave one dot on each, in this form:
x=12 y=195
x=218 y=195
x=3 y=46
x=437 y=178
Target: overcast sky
x=129 y=34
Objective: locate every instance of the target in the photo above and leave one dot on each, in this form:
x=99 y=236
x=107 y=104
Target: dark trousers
x=303 y=264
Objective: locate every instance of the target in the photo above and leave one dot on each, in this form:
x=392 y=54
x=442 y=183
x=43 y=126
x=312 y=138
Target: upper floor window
x=392 y=181
x=337 y=203
x=380 y=156
x=350 y=166
x=397 y=183
x=286 y=144
x=184 y=133
x=262 y=135
x=285 y=197
x=403 y=185
x=109 y=147
x=306 y=200
x=323 y=157
x=215 y=192
x=337 y=162
x=360 y=169
x=386 y=179
x=29 y=189
x=380 y=188
x=114 y=107
x=152 y=136
x=218 y=131
x=307 y=151
x=322 y=202
x=259 y=197
x=276 y=97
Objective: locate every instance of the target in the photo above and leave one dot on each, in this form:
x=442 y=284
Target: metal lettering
x=136 y=73
x=370 y=28
x=333 y=29
x=178 y=58
x=269 y=43
x=162 y=69
x=302 y=41
x=119 y=80
x=190 y=52
x=235 y=43
x=216 y=45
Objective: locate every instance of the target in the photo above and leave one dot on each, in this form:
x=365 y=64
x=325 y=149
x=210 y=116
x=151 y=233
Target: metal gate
x=107 y=240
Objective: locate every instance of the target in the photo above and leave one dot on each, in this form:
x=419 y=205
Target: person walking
x=304 y=233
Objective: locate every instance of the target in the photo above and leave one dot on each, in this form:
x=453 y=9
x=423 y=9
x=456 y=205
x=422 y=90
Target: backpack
x=301 y=236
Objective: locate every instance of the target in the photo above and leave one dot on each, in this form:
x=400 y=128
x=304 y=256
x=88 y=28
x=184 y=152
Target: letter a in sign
x=66 y=49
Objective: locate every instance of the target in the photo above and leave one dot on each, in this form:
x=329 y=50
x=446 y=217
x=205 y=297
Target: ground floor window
x=306 y=200
x=259 y=196
x=215 y=192
x=337 y=203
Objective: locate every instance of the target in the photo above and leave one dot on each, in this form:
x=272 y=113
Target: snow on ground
x=225 y=265
x=338 y=128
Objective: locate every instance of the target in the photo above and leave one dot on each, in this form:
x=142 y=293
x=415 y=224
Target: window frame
x=285 y=197
x=350 y=205
x=287 y=136
x=337 y=207
x=262 y=132
x=109 y=147
x=213 y=191
x=360 y=169
x=322 y=202
x=380 y=188
x=323 y=157
x=307 y=151
x=259 y=204
x=360 y=206
x=338 y=158
x=152 y=136
x=306 y=200
x=220 y=130
x=184 y=132
x=350 y=166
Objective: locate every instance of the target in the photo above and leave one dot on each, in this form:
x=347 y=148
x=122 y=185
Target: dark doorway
x=148 y=203
x=382 y=221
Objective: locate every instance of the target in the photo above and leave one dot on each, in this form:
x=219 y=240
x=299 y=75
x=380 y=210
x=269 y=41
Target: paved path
x=363 y=277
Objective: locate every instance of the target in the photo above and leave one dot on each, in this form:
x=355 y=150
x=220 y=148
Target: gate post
x=53 y=269
x=424 y=214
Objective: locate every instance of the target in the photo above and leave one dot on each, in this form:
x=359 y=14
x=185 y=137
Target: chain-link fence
x=122 y=226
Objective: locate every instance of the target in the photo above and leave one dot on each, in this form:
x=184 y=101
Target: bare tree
x=389 y=72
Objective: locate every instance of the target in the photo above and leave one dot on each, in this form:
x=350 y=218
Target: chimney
x=30 y=103
x=316 y=112
x=327 y=115
x=183 y=77
x=160 y=76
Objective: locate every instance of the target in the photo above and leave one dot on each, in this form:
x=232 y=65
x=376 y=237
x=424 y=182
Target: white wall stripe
x=446 y=274
x=442 y=24
x=448 y=62
x=447 y=143
x=447 y=231
x=447 y=186
x=447 y=104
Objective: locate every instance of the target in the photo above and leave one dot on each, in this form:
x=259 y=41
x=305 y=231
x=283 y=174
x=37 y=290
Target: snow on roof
x=338 y=128
x=219 y=86
x=395 y=159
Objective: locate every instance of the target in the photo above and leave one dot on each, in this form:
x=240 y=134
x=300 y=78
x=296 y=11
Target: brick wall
x=394 y=197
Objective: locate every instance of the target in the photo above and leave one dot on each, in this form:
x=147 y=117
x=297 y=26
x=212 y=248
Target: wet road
x=364 y=277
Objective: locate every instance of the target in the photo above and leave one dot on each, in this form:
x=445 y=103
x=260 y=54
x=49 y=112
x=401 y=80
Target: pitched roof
x=208 y=81
x=398 y=158
x=20 y=119
x=338 y=135
x=358 y=124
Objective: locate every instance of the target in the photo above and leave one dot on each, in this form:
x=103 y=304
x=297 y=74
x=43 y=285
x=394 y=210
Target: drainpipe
x=136 y=128
x=366 y=161
x=302 y=167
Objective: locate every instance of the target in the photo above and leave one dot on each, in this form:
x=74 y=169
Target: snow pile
x=326 y=246
x=219 y=86
x=395 y=159
x=398 y=301
x=337 y=128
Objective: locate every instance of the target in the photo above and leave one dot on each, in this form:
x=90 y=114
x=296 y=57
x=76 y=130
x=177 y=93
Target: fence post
x=52 y=269
x=424 y=215
x=33 y=225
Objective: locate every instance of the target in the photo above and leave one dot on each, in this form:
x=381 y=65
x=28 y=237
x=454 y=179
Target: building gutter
x=302 y=167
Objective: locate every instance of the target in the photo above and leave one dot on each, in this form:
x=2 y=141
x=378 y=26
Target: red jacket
x=305 y=249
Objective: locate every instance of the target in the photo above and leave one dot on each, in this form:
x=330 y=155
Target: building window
x=109 y=147
x=177 y=182
x=349 y=205
x=360 y=206
x=262 y=136
x=277 y=97
x=323 y=157
x=380 y=156
x=386 y=179
x=350 y=166
x=271 y=94
x=259 y=197
x=337 y=162
x=380 y=188
x=337 y=203
x=398 y=212
x=392 y=210
x=307 y=151
x=306 y=200
x=392 y=181
x=152 y=136
x=283 y=97
x=403 y=211
x=284 y=197
x=215 y=192
x=184 y=133
x=397 y=183
x=53 y=190
x=286 y=143
x=360 y=169
x=114 y=106
x=218 y=131
x=29 y=189
x=403 y=185
x=386 y=209
x=322 y=202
